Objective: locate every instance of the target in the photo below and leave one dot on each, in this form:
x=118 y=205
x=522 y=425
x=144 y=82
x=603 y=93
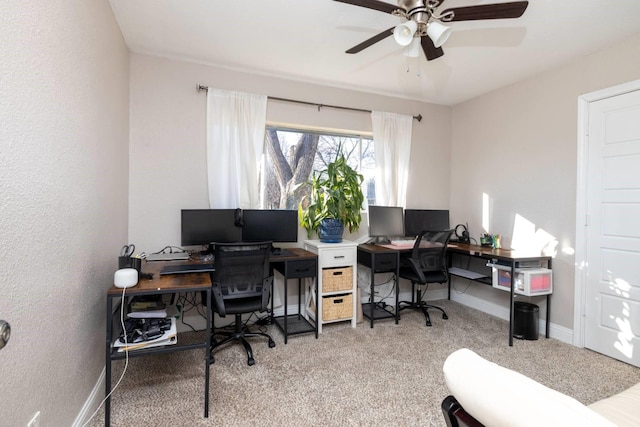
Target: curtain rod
x=418 y=117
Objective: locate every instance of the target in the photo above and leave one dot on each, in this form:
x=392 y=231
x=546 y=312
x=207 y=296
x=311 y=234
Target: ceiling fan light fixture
x=412 y=50
x=403 y=33
x=438 y=32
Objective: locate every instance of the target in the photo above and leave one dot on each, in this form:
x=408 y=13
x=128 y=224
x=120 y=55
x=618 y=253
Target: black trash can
x=525 y=323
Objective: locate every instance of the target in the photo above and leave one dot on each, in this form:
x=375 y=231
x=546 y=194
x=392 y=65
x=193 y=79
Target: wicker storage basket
x=337 y=307
x=337 y=279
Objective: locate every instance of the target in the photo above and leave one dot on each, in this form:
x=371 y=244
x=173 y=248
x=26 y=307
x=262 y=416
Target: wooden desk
x=380 y=260
x=508 y=257
x=169 y=284
x=303 y=264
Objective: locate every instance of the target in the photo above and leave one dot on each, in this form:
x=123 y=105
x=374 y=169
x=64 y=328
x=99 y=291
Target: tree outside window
x=291 y=155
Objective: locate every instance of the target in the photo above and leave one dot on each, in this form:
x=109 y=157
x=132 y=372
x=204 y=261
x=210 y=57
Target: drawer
x=385 y=262
x=339 y=307
x=337 y=257
x=337 y=279
x=303 y=268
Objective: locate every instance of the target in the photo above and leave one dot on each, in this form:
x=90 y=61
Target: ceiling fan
x=424 y=25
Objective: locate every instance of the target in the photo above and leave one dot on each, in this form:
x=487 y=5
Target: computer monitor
x=205 y=226
x=276 y=225
x=417 y=220
x=385 y=222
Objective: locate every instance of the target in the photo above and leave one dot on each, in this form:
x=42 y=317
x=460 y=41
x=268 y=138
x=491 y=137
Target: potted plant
x=334 y=203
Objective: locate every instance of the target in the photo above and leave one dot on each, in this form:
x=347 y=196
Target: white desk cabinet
x=337 y=282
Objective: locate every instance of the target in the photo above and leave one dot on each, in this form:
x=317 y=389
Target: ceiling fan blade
x=487 y=11
x=430 y=50
x=375 y=39
x=372 y=4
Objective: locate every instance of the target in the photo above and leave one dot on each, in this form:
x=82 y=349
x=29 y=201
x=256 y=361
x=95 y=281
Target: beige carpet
x=389 y=375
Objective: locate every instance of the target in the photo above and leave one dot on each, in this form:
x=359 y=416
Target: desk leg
x=548 y=320
x=511 y=296
x=397 y=280
x=299 y=298
x=207 y=356
x=107 y=359
x=372 y=298
x=547 y=328
x=286 y=303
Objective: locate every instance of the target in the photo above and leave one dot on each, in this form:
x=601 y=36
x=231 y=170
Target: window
x=291 y=155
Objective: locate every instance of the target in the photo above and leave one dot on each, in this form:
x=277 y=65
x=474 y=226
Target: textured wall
x=63 y=205
x=519 y=145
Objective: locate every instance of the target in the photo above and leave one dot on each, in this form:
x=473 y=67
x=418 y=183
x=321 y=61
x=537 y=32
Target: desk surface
x=373 y=248
x=171 y=282
x=299 y=254
x=488 y=252
x=465 y=248
x=191 y=281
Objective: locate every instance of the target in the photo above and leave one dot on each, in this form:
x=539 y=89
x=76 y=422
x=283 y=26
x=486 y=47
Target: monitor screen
x=386 y=221
x=269 y=225
x=416 y=220
x=204 y=226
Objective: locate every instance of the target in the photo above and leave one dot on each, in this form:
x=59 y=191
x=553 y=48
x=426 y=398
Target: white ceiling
x=305 y=40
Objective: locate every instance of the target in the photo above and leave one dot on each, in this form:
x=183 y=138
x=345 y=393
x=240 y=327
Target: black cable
x=171 y=248
x=188 y=303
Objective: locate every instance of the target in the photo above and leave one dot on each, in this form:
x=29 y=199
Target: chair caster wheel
x=444 y=316
x=251 y=362
x=272 y=343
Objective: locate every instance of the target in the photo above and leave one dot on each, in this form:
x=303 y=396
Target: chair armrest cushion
x=497 y=396
x=622 y=408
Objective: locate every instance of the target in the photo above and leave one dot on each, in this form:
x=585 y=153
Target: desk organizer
x=337 y=307
x=528 y=281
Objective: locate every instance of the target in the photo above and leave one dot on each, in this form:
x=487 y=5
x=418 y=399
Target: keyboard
x=187 y=268
x=403 y=242
x=409 y=243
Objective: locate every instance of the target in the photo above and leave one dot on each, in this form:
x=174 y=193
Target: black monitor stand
x=381 y=240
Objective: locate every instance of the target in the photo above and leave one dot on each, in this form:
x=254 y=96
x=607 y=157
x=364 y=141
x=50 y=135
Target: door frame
x=582 y=219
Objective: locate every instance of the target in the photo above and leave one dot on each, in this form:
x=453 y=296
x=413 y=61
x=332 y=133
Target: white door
x=612 y=293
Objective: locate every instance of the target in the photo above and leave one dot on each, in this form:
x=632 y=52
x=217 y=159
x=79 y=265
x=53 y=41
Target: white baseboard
x=95 y=398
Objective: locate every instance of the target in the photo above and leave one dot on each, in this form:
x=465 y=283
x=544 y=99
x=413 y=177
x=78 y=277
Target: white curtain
x=392 y=142
x=235 y=140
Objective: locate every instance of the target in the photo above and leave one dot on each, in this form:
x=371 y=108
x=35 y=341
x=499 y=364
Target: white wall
x=168 y=140
x=63 y=209
x=519 y=145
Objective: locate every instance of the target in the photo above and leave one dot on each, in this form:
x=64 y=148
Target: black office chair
x=427 y=264
x=241 y=283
